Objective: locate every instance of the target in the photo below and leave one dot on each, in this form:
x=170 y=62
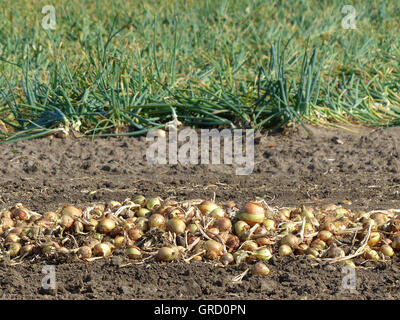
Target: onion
x=263 y=254
x=301 y=249
x=269 y=224
x=341 y=212
x=232 y=243
x=289 y=226
x=285 y=250
x=143 y=212
x=335 y=252
x=212 y=246
x=102 y=249
x=284 y=214
x=71 y=211
x=307 y=212
x=92 y=226
x=290 y=240
x=142 y=224
x=193 y=228
x=157 y=221
x=84 y=252
x=6 y=214
x=218 y=213
x=260 y=269
x=140 y=200
x=240 y=256
x=66 y=221
x=113 y=205
x=14 y=249
x=119 y=241
x=297 y=219
x=78 y=227
x=133 y=253
x=128 y=213
x=117 y=231
x=349 y=263
x=50 y=216
x=106 y=225
x=6 y=223
x=374 y=238
x=98 y=210
x=371 y=255
x=212 y=255
x=330 y=226
x=241 y=227
x=309 y=228
x=227 y=258
x=325 y=235
x=396 y=243
x=176 y=225
x=312 y=252
x=129 y=223
x=318 y=244
x=263 y=241
x=223 y=224
x=153 y=203
x=12 y=238
x=48 y=248
x=249 y=245
x=331 y=241
x=283 y=233
x=379 y=218
x=20 y=214
x=166 y=254
x=135 y=234
x=212 y=232
x=387 y=250
x=252 y=213
x=91 y=242
x=197 y=258
x=260 y=231
x=176 y=213
x=98 y=236
x=207 y=207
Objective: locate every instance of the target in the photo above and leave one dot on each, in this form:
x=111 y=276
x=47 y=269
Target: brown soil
x=290 y=169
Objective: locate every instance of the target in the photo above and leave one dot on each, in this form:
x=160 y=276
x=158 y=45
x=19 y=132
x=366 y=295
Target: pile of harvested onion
x=197 y=230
